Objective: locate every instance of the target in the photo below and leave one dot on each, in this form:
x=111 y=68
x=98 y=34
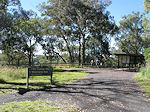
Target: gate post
x=27 y=84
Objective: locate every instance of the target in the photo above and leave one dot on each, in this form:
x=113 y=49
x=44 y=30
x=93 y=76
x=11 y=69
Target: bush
x=147 y=57
x=145 y=72
x=147 y=54
x=110 y=62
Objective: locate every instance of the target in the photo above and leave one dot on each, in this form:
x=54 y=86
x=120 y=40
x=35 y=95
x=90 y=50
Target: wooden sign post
x=39 y=71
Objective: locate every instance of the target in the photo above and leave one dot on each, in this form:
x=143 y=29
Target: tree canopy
x=130 y=35
x=75 y=22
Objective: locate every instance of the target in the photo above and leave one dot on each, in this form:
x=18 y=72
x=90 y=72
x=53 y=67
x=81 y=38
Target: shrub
x=145 y=72
x=147 y=54
x=110 y=62
x=147 y=57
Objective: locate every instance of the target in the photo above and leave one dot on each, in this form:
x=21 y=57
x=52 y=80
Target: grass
x=36 y=106
x=12 y=73
x=143 y=79
x=12 y=79
x=145 y=72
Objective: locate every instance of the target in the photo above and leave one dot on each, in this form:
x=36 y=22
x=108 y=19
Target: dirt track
x=104 y=90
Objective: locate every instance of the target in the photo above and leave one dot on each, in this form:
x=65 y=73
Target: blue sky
x=31 y=4
x=118 y=8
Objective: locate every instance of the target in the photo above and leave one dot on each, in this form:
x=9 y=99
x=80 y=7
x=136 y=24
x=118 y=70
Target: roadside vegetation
x=12 y=79
x=143 y=77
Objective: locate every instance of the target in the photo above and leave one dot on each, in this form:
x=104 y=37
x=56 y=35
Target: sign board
x=39 y=71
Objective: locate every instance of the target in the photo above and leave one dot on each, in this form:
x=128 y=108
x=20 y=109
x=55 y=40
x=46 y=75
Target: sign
x=39 y=71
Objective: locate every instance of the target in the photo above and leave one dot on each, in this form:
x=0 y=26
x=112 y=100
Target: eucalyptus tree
x=146 y=18
x=30 y=28
x=147 y=6
x=130 y=38
x=76 y=20
x=5 y=15
x=19 y=31
x=58 y=24
x=97 y=49
x=20 y=36
x=146 y=35
x=9 y=35
x=5 y=11
x=51 y=47
x=13 y=49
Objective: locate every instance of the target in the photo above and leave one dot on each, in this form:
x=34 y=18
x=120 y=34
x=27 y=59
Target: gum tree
x=74 y=21
x=130 y=38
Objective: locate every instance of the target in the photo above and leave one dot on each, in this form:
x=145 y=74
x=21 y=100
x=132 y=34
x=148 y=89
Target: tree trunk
x=61 y=57
x=69 y=50
x=18 y=62
x=29 y=57
x=83 y=51
x=79 y=58
x=30 y=54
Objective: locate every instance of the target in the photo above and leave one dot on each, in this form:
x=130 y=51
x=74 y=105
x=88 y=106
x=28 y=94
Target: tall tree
x=147 y=6
x=5 y=10
x=58 y=22
x=20 y=35
x=76 y=20
x=51 y=47
x=19 y=31
x=30 y=29
x=130 y=38
x=10 y=40
x=146 y=35
x=146 y=18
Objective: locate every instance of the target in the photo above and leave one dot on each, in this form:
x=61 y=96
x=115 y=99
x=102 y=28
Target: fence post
x=27 y=84
x=51 y=80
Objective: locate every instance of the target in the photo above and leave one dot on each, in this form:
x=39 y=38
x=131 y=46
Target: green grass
x=12 y=79
x=145 y=72
x=12 y=73
x=143 y=79
x=36 y=106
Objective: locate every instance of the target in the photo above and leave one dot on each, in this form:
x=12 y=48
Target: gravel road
x=103 y=90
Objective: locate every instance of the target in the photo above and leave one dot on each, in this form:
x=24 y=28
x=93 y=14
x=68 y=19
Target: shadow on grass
x=2 y=81
x=62 y=70
x=23 y=84
x=21 y=90
x=37 y=84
